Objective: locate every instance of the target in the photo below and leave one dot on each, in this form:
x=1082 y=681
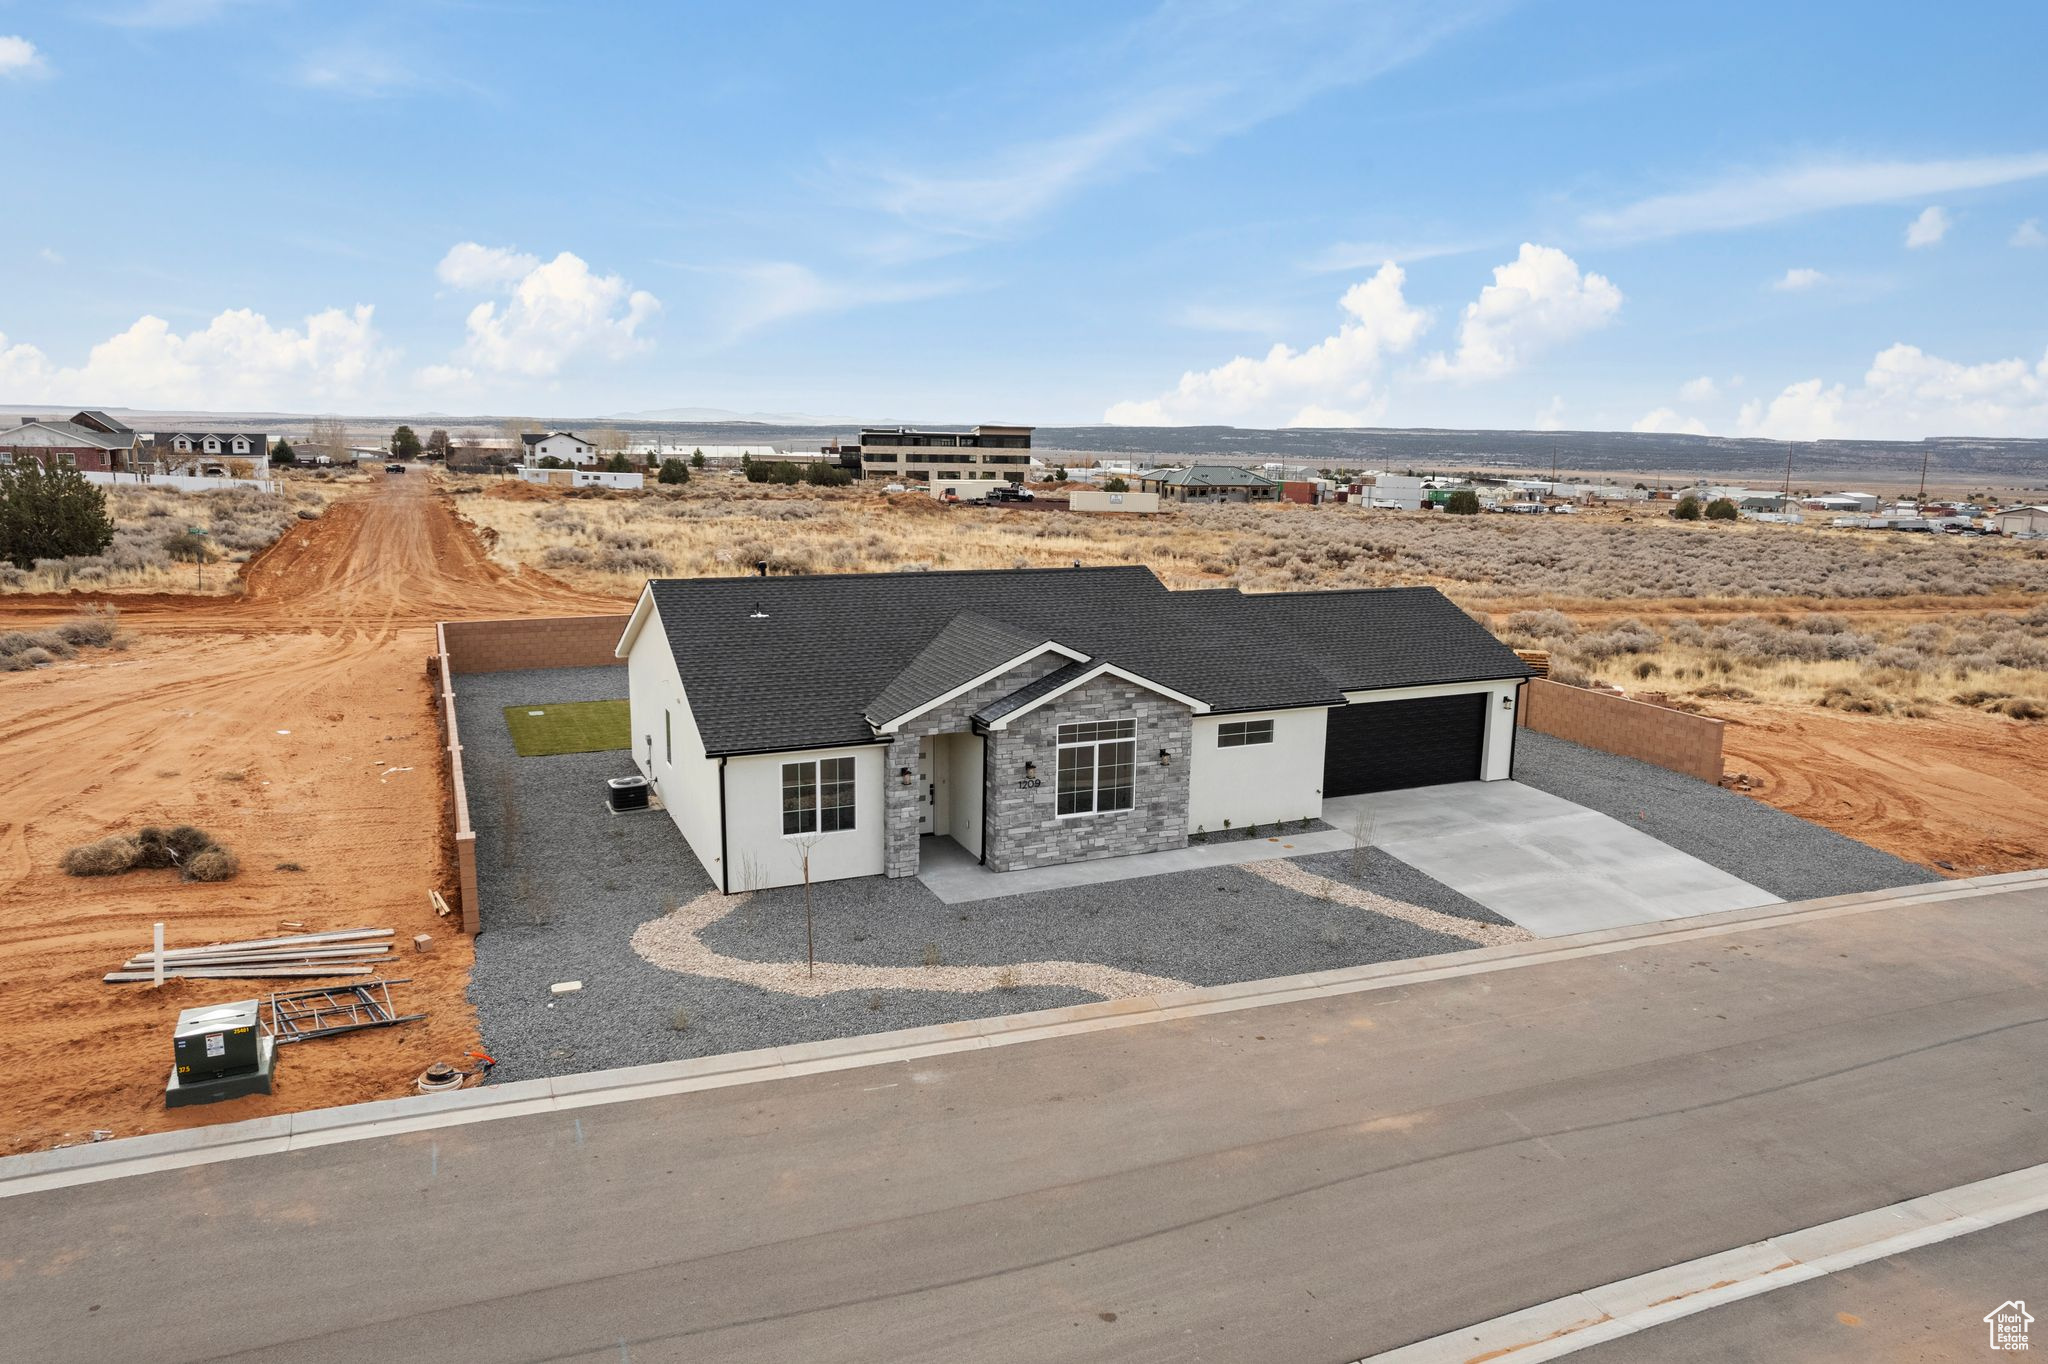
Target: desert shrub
x=674 y=471
x=1688 y=509
x=1721 y=509
x=1645 y=669
x=1854 y=700
x=104 y=857
x=186 y=546
x=1898 y=658
x=2018 y=708
x=1543 y=625
x=186 y=842
x=95 y=628
x=1462 y=502
x=1629 y=636
x=213 y=863
x=633 y=561
x=152 y=851
x=565 y=556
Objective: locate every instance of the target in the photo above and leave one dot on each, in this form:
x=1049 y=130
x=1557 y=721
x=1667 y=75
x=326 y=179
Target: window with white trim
x=817 y=797
x=1238 y=733
x=1098 y=766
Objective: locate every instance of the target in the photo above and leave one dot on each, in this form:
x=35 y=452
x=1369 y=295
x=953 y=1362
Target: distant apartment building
x=905 y=455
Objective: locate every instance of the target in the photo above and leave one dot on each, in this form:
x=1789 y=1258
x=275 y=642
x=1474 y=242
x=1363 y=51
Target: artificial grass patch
x=543 y=730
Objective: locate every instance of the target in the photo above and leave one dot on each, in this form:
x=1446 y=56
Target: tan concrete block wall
x=496 y=646
x=1634 y=729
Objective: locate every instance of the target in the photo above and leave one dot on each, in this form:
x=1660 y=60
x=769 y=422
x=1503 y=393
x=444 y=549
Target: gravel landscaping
x=565 y=884
x=1766 y=847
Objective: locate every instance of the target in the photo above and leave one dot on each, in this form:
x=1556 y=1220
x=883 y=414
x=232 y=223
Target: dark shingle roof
x=970 y=645
x=1025 y=695
x=829 y=650
x=1387 y=637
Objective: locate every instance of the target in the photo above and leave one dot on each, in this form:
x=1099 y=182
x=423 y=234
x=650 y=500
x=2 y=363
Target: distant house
x=2022 y=521
x=565 y=446
x=1211 y=483
x=208 y=454
x=89 y=441
x=1764 y=502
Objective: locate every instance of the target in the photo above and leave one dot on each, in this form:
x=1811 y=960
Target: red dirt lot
x=295 y=724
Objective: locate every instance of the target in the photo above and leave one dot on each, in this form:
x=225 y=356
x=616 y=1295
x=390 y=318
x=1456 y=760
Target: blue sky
x=1788 y=220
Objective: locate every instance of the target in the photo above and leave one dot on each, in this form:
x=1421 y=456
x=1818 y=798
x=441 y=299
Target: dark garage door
x=1388 y=745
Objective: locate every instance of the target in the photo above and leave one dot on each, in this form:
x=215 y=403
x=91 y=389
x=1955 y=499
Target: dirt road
x=293 y=723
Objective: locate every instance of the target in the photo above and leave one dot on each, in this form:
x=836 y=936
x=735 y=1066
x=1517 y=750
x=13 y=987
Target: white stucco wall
x=964 y=782
x=686 y=779
x=1257 y=783
x=762 y=857
x=1498 y=753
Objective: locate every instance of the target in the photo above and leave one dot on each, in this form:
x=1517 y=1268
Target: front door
x=927 y=791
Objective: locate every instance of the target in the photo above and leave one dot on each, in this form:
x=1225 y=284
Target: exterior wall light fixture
x=1165 y=758
x=903 y=774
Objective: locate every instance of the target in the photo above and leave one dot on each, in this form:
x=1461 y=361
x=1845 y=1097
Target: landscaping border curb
x=71 y=1165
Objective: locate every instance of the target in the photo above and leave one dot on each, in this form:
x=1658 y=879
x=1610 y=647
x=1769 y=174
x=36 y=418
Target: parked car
x=893 y=488
x=1010 y=492
x=394 y=468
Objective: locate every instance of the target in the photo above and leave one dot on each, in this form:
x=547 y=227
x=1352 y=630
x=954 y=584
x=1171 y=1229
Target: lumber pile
x=343 y=952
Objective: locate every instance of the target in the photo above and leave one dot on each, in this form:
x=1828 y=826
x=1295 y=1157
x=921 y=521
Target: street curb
x=1562 y=1326
x=84 y=1164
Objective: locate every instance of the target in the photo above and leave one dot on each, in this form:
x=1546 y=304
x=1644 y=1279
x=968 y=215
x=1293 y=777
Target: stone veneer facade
x=1024 y=825
x=899 y=823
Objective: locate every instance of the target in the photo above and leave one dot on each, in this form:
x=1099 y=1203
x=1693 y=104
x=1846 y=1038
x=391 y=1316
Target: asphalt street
x=1316 y=1180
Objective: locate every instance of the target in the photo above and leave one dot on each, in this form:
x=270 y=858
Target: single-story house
x=1038 y=716
x=1211 y=483
x=566 y=446
x=89 y=441
x=2022 y=521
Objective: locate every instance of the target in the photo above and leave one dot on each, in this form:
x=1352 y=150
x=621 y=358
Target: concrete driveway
x=1551 y=866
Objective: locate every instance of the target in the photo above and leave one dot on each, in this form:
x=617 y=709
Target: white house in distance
x=566 y=446
x=2022 y=521
x=1038 y=716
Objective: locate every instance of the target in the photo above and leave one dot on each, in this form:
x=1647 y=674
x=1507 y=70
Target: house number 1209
x=1029 y=783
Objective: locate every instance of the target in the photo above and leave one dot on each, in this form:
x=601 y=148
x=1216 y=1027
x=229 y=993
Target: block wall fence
x=494 y=646
x=1633 y=729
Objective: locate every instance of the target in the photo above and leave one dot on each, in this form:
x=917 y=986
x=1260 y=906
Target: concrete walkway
x=951 y=873
x=1551 y=866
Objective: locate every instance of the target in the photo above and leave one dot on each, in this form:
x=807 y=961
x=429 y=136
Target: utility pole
x=1925 y=451
x=1788 y=473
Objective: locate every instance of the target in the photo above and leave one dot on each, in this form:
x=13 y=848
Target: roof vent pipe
x=761 y=567
x=757 y=613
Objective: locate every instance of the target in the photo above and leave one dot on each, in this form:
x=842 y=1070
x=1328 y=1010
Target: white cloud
x=1332 y=383
x=1665 y=421
x=482 y=269
x=1551 y=418
x=363 y=71
x=1798 y=280
x=18 y=57
x=552 y=314
x=2029 y=234
x=774 y=291
x=237 y=361
x=1749 y=198
x=1700 y=390
x=1907 y=393
x=1929 y=228
x=1343 y=256
x=1166 y=86
x=50 y=256
x=1536 y=300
